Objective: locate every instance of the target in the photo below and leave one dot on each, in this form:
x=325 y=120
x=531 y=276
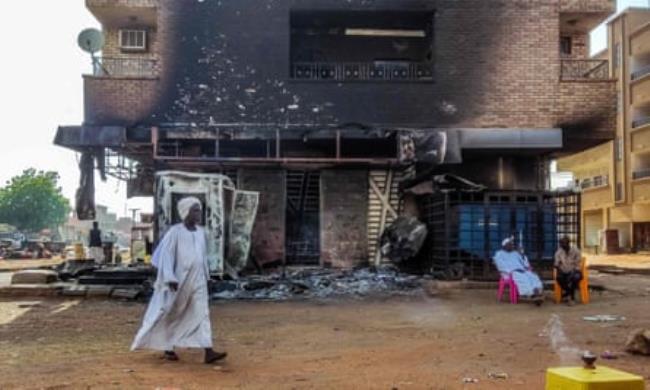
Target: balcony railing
x=364 y=71
x=641 y=122
x=641 y=174
x=124 y=67
x=584 y=70
x=640 y=73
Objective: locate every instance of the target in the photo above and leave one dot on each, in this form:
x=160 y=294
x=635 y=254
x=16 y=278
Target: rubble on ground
x=34 y=277
x=320 y=283
x=638 y=342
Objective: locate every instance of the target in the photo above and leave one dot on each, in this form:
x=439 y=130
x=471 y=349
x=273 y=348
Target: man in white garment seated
x=511 y=262
x=178 y=315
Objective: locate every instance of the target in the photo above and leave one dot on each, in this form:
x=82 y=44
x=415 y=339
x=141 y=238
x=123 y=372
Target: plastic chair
x=506 y=280
x=583 y=286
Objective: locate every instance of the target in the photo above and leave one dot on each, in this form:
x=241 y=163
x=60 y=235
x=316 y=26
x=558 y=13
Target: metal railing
x=124 y=67
x=641 y=174
x=641 y=122
x=640 y=73
x=581 y=70
x=363 y=71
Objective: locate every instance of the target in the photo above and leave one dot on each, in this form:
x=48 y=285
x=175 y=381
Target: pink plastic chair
x=506 y=280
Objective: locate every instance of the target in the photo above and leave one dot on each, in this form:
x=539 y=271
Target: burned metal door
x=302 y=217
x=383 y=207
x=242 y=217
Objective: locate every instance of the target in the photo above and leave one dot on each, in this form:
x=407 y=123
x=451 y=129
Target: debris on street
x=320 y=283
x=603 y=318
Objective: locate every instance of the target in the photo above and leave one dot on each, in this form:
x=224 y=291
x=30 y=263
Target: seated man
x=567 y=263
x=511 y=262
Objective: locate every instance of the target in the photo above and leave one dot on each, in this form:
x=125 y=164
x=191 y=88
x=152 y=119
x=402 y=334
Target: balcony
x=641 y=174
x=640 y=87
x=119 y=12
x=640 y=41
x=643 y=121
x=124 y=67
x=120 y=91
x=371 y=71
x=584 y=70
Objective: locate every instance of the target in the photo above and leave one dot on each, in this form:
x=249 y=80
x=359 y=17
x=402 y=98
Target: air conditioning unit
x=135 y=40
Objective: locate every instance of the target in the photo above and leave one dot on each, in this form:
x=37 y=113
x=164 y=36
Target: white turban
x=507 y=241
x=185 y=204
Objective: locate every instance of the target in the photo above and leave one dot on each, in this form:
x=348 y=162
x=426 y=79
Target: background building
x=615 y=176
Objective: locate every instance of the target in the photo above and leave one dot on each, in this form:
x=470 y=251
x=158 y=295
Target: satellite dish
x=91 y=40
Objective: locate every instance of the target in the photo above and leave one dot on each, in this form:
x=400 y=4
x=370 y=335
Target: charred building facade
x=321 y=105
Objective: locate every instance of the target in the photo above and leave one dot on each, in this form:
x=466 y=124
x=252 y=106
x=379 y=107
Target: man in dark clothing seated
x=567 y=263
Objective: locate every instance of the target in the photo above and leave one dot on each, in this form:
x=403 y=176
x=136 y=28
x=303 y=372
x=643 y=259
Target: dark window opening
x=247 y=148
x=565 y=45
x=302 y=243
x=311 y=148
x=369 y=148
x=362 y=45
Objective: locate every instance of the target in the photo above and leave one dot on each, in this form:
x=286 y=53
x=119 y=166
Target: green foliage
x=33 y=201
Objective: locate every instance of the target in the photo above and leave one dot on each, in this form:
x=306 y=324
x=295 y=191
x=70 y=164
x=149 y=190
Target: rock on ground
x=639 y=342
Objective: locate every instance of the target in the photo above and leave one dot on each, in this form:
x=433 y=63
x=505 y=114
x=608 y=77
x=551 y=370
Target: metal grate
x=466 y=229
x=303 y=217
x=372 y=71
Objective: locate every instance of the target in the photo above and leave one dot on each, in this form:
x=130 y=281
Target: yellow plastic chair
x=583 y=286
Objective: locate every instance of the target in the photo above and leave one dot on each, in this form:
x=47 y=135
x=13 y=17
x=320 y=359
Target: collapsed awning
x=85 y=137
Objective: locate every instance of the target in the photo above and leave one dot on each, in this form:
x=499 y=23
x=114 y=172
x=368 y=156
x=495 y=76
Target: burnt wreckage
x=337 y=114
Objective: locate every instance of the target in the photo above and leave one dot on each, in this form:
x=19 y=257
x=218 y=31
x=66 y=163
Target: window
x=565 y=46
x=133 y=40
x=586 y=183
x=619 y=192
x=617 y=55
x=601 y=180
x=361 y=45
x=618 y=149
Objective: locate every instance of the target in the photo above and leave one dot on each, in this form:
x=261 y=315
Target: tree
x=33 y=201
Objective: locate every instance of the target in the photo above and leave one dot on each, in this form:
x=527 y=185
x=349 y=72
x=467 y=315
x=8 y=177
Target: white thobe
x=515 y=264
x=180 y=318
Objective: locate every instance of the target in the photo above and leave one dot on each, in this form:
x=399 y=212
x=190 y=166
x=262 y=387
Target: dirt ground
x=418 y=342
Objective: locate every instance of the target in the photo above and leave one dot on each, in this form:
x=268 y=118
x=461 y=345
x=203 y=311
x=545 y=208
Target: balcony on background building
x=124 y=67
x=584 y=70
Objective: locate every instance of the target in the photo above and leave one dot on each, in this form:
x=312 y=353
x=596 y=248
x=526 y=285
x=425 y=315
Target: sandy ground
x=394 y=343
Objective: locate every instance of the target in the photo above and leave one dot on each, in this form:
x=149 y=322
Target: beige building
x=615 y=177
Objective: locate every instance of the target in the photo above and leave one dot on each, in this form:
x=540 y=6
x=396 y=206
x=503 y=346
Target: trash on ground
x=470 y=380
x=498 y=375
x=603 y=318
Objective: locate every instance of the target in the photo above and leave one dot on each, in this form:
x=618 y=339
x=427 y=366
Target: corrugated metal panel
x=383 y=206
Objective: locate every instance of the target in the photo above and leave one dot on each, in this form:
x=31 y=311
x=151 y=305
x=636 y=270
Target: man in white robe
x=178 y=315
x=512 y=263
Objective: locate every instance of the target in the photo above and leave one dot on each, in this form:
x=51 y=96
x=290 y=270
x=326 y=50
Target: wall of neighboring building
x=344 y=207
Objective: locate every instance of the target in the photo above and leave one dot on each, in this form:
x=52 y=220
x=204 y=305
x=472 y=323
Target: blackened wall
x=496 y=65
x=344 y=206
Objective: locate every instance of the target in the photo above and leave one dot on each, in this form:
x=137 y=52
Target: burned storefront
x=325 y=107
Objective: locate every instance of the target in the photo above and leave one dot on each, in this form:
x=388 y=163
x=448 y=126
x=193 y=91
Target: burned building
x=322 y=105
